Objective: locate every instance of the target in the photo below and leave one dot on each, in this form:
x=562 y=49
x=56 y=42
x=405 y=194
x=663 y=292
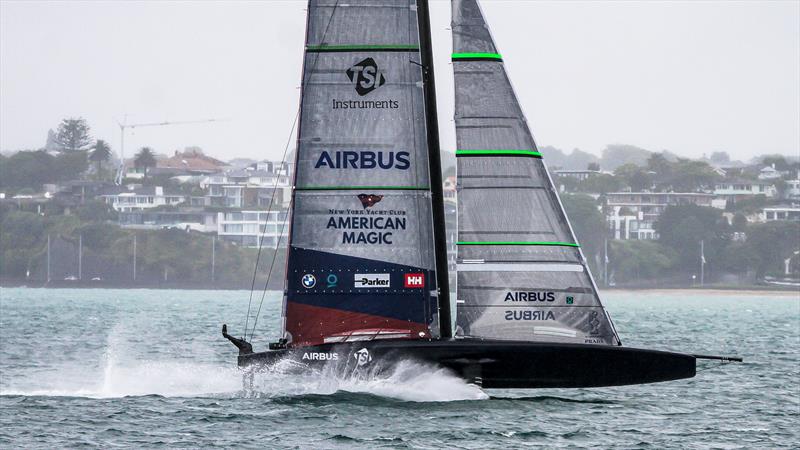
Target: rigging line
x=286 y=219
x=269 y=275
x=261 y=235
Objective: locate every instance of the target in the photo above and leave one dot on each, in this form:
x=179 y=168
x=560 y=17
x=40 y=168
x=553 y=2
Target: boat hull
x=497 y=364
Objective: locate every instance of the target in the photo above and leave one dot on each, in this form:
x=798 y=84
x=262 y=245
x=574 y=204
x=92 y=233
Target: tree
x=720 y=158
x=748 y=205
x=772 y=243
x=100 y=154
x=145 y=159
x=52 y=142
x=96 y=211
x=690 y=176
x=73 y=135
x=587 y=222
x=634 y=260
x=600 y=183
x=659 y=164
x=32 y=169
x=636 y=177
x=778 y=161
x=617 y=155
x=682 y=228
x=593 y=166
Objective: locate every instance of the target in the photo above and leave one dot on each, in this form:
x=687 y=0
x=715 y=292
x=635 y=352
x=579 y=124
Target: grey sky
x=690 y=77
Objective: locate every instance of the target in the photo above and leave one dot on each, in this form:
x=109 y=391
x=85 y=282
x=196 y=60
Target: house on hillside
x=138 y=198
x=248 y=189
x=187 y=163
x=579 y=175
x=792 y=191
x=782 y=212
x=248 y=227
x=739 y=188
x=769 y=173
x=632 y=215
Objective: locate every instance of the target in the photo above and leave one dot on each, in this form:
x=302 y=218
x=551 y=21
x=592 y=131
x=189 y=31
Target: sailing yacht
x=367 y=273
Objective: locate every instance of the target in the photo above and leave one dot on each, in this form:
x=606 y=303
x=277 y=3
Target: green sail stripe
x=353 y=188
x=365 y=47
x=557 y=244
x=533 y=153
x=494 y=56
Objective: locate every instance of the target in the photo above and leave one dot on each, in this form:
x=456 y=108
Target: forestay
x=521 y=273
x=361 y=258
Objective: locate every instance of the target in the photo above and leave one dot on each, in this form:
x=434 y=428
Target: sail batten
x=521 y=272
x=362 y=48
x=476 y=57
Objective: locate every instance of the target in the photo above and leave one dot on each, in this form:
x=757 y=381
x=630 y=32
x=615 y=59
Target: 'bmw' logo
x=309 y=281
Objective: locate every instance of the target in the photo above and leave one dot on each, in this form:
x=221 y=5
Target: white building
x=579 y=175
x=248 y=188
x=141 y=198
x=632 y=215
x=769 y=173
x=782 y=212
x=245 y=227
x=792 y=190
x=737 y=189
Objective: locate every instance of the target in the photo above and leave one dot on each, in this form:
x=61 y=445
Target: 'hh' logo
x=414 y=280
x=366 y=76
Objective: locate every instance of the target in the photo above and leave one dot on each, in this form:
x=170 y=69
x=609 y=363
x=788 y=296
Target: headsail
x=361 y=255
x=521 y=274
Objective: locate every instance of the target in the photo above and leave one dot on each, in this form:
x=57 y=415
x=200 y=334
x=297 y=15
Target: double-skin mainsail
x=362 y=259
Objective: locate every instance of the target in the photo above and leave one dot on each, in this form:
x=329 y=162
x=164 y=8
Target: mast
x=435 y=167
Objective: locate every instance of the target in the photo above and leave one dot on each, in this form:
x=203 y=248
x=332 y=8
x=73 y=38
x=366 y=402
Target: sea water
x=147 y=368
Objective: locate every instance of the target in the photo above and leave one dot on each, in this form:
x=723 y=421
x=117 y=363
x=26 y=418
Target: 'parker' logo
x=366 y=76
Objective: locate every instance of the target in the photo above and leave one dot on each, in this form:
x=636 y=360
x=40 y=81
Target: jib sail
x=361 y=255
x=521 y=273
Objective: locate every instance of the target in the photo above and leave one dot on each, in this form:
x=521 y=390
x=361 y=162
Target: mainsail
x=521 y=273
x=361 y=261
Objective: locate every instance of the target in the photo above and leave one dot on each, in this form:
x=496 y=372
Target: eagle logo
x=369 y=200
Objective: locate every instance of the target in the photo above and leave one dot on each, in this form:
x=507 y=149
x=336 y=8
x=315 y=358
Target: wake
x=116 y=378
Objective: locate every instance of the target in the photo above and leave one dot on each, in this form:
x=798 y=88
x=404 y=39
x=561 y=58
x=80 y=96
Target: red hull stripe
x=311 y=324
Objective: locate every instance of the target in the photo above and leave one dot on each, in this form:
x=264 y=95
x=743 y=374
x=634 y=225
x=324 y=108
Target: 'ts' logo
x=366 y=76
x=362 y=357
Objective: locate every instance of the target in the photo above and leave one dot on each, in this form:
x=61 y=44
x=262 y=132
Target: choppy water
x=143 y=368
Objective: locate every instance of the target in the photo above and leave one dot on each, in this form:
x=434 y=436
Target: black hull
x=500 y=364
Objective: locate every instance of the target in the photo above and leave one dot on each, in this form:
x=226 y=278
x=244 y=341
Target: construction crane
x=124 y=125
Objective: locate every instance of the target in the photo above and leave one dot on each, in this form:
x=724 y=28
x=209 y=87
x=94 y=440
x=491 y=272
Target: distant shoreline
x=779 y=291
x=751 y=290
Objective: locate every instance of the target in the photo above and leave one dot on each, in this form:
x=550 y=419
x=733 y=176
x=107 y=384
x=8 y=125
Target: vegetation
x=32 y=169
x=100 y=154
x=145 y=159
x=759 y=250
x=588 y=224
x=73 y=135
x=171 y=255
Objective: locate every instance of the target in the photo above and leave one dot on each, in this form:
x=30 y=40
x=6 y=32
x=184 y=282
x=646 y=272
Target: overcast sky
x=689 y=77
